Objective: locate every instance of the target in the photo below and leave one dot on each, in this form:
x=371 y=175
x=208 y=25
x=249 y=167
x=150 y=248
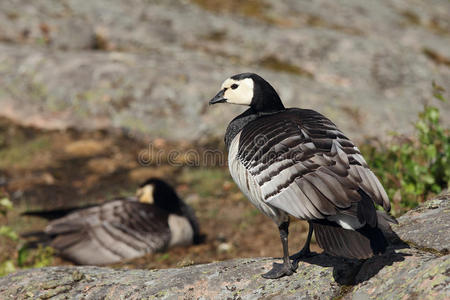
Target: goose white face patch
x=145 y=194
x=238 y=91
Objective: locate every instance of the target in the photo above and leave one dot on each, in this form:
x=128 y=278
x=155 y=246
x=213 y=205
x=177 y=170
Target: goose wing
x=61 y=212
x=306 y=167
x=111 y=232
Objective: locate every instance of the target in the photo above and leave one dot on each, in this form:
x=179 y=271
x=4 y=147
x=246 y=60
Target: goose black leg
x=305 y=252
x=286 y=268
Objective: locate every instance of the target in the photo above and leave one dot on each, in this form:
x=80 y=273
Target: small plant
x=6 y=266
x=23 y=257
x=411 y=169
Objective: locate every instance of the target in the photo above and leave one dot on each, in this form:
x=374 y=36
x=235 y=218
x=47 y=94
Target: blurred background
x=95 y=95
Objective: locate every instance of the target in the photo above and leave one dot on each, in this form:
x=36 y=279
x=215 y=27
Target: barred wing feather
x=305 y=166
x=110 y=232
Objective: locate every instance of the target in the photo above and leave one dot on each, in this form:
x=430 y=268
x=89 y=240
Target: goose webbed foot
x=280 y=270
x=304 y=253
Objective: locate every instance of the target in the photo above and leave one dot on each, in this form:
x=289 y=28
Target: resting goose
x=296 y=162
x=120 y=229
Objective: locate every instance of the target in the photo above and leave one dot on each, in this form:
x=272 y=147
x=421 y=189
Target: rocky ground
x=149 y=67
x=417 y=269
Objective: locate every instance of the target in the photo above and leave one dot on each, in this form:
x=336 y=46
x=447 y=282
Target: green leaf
x=163 y=256
x=43 y=257
x=436 y=188
x=431 y=151
x=5 y=205
x=440 y=97
x=8 y=232
x=432 y=114
x=7 y=267
x=437 y=92
x=22 y=256
x=410 y=188
x=428 y=179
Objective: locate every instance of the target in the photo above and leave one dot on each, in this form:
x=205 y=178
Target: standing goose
x=120 y=229
x=296 y=162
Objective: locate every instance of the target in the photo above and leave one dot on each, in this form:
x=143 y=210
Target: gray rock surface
x=151 y=66
x=428 y=226
x=401 y=273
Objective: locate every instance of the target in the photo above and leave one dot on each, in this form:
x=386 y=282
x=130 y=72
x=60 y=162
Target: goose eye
x=234 y=86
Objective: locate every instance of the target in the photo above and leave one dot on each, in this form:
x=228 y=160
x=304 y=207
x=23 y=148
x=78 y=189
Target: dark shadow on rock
x=353 y=271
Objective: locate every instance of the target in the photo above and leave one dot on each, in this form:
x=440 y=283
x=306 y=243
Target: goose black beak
x=219 y=98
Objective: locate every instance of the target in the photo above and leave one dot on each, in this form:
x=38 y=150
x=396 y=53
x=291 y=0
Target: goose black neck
x=266 y=103
x=265 y=98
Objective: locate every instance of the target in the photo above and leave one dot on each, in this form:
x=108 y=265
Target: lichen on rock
x=419 y=270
